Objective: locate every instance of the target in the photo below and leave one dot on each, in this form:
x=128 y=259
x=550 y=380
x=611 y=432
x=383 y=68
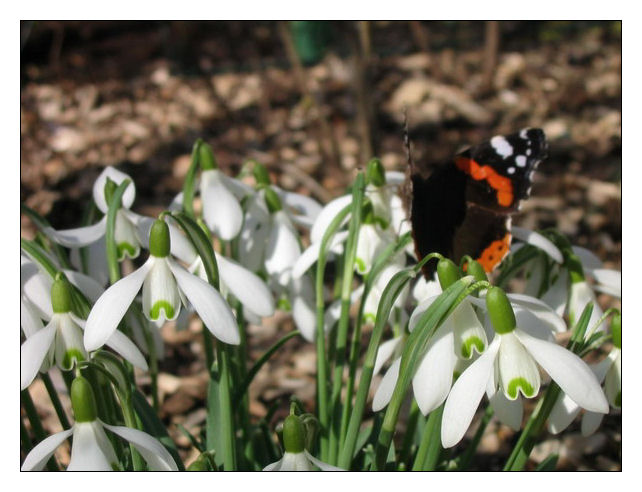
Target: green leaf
x=549 y=464
x=190 y=179
x=201 y=243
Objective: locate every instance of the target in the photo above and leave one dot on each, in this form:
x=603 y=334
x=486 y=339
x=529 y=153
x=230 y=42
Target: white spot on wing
x=520 y=160
x=510 y=170
x=501 y=146
x=524 y=134
x=528 y=151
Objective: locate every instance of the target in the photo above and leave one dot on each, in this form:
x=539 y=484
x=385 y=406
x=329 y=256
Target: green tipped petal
x=155 y=311
x=519 y=384
x=472 y=343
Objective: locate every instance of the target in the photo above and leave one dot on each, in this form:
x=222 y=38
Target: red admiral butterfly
x=464 y=207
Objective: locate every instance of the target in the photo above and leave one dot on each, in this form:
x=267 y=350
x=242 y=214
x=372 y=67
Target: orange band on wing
x=499 y=183
x=494 y=253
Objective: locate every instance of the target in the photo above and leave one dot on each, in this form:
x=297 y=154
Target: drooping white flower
x=164 y=284
x=509 y=364
x=91 y=449
x=295 y=456
x=130 y=228
x=60 y=342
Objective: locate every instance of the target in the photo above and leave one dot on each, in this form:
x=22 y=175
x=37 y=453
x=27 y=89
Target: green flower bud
x=293 y=435
x=447 y=272
x=61 y=295
x=261 y=175
x=273 y=201
x=476 y=270
x=375 y=173
x=83 y=401
x=206 y=157
x=500 y=311
x=159 y=243
x=616 y=330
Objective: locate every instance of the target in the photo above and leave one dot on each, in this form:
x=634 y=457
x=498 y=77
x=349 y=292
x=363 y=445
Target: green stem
x=110 y=232
x=322 y=369
x=409 y=436
x=225 y=407
x=430 y=448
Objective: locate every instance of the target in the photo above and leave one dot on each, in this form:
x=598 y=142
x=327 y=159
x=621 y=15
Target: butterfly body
x=465 y=206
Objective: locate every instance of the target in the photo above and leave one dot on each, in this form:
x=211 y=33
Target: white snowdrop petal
x=152 y=451
x=117 y=177
x=327 y=214
x=91 y=449
x=80 y=236
x=87 y=285
x=517 y=369
x=563 y=413
x=246 y=286
x=386 y=386
x=38 y=456
x=465 y=396
x=33 y=352
x=385 y=352
x=208 y=303
x=609 y=281
x=589 y=260
x=322 y=465
x=569 y=371
x=221 y=209
x=433 y=379
x=590 y=423
x=110 y=308
x=535 y=239
x=508 y=412
x=122 y=345
x=161 y=299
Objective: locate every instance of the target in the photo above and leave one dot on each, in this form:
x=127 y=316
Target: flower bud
x=83 y=400
x=447 y=272
x=261 y=175
x=206 y=157
x=616 y=330
x=61 y=295
x=476 y=270
x=500 y=311
x=375 y=173
x=293 y=435
x=159 y=243
x=272 y=200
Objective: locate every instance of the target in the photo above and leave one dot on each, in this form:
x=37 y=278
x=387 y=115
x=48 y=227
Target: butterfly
x=464 y=206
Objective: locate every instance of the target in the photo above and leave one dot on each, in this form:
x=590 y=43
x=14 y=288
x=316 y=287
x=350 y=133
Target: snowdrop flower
x=91 y=449
x=165 y=286
x=609 y=373
x=129 y=230
x=459 y=337
x=245 y=285
x=509 y=364
x=35 y=292
x=221 y=196
x=296 y=457
x=61 y=341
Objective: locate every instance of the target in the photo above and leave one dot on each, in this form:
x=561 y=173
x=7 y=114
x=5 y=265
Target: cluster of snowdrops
x=230 y=251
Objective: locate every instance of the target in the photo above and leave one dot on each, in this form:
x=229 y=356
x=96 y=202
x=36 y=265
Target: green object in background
x=310 y=39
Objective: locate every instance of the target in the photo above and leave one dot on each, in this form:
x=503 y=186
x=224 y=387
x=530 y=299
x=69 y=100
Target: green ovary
x=154 y=312
x=467 y=347
x=71 y=356
x=520 y=384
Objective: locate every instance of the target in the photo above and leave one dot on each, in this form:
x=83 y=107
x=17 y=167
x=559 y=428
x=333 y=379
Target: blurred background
x=314 y=101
